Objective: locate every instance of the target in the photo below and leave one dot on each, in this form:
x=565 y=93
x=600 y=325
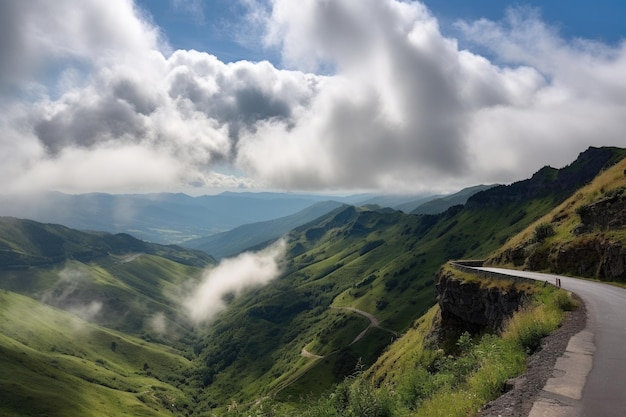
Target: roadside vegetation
x=415 y=377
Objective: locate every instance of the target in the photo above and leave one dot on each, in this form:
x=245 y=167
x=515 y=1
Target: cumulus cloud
x=372 y=96
x=231 y=277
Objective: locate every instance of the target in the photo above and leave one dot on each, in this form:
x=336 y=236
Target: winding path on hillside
x=373 y=323
x=589 y=380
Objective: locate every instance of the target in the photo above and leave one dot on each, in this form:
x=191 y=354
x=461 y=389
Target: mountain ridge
x=378 y=261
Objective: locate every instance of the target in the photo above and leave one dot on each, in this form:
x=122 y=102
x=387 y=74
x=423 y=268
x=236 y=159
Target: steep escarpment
x=469 y=303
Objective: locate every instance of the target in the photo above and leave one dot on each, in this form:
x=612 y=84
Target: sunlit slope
x=113 y=280
x=380 y=262
x=583 y=236
x=53 y=363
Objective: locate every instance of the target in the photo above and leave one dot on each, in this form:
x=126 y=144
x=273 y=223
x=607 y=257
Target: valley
x=96 y=323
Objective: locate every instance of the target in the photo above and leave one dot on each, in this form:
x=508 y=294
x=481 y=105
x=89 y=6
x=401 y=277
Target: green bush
x=543 y=231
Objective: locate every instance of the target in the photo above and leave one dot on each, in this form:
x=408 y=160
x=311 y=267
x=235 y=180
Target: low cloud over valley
x=232 y=276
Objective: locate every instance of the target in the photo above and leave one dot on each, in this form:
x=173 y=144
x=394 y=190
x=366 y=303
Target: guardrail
x=470 y=266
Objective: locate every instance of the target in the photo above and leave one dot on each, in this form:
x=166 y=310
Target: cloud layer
x=232 y=276
x=372 y=96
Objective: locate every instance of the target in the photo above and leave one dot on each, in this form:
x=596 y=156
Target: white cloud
x=64 y=294
x=377 y=97
x=158 y=324
x=232 y=276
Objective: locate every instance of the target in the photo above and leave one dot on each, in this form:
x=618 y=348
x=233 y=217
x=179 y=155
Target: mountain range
x=98 y=323
x=168 y=218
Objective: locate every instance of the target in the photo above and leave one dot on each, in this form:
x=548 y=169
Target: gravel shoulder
x=526 y=388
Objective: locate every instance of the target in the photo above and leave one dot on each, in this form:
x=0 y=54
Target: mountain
x=441 y=204
x=353 y=282
x=395 y=201
x=583 y=236
x=116 y=280
x=232 y=242
x=160 y=218
x=53 y=363
x=381 y=263
x=91 y=323
x=549 y=182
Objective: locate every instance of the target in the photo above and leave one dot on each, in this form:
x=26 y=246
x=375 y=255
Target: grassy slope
x=380 y=262
x=234 y=241
x=55 y=364
x=254 y=348
x=564 y=220
x=25 y=243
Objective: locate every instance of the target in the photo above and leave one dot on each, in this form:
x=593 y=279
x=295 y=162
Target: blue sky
x=310 y=95
x=211 y=25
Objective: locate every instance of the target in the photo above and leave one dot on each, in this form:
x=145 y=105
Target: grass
x=564 y=220
x=414 y=378
x=391 y=278
x=382 y=263
x=55 y=364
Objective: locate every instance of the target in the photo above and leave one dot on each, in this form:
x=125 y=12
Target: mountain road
x=589 y=380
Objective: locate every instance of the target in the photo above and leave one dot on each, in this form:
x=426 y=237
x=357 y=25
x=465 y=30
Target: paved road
x=604 y=392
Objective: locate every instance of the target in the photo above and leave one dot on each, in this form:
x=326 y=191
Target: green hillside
x=583 y=236
x=375 y=261
x=53 y=363
x=234 y=241
x=353 y=282
x=59 y=287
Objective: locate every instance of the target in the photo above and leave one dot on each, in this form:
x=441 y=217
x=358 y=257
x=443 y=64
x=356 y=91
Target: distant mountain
x=550 y=182
x=395 y=201
x=230 y=243
x=441 y=204
x=159 y=218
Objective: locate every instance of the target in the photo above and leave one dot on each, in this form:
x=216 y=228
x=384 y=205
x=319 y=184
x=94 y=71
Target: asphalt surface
x=602 y=390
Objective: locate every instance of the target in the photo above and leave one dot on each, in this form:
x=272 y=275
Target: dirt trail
x=373 y=323
x=308 y=354
x=129 y=258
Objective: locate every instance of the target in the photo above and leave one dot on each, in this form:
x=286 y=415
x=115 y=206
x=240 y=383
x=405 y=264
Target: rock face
x=589 y=252
x=592 y=256
x=473 y=307
x=608 y=213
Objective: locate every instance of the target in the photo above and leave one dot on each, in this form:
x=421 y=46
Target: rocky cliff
x=594 y=248
x=475 y=305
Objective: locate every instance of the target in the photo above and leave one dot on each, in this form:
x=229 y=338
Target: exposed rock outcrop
x=473 y=306
x=609 y=213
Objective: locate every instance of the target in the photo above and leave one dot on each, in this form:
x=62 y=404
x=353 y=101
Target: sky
x=314 y=95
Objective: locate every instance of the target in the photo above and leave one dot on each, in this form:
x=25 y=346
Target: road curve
x=604 y=392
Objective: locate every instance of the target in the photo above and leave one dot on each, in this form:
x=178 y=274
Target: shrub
x=543 y=231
